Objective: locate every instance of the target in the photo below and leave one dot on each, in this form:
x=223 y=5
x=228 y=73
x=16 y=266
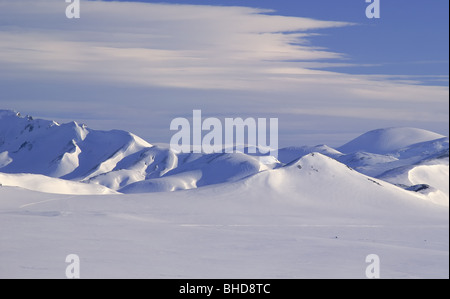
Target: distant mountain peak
x=388 y=140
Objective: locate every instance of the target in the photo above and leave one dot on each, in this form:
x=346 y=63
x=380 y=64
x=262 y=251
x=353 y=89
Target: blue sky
x=325 y=70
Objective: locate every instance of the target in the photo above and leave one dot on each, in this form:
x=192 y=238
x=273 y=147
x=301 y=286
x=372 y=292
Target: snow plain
x=276 y=224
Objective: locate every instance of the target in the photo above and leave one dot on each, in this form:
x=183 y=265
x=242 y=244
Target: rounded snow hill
x=384 y=141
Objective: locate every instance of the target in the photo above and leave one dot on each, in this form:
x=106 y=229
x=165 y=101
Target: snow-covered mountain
x=385 y=141
x=117 y=161
x=70 y=151
x=114 y=159
x=419 y=167
x=316 y=212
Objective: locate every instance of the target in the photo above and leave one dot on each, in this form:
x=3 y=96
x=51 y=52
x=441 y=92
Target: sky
x=325 y=70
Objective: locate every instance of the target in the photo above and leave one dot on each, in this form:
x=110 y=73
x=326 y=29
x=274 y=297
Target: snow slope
x=430 y=176
x=47 y=184
x=314 y=218
x=201 y=170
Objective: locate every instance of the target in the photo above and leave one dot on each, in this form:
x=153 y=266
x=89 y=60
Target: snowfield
x=316 y=212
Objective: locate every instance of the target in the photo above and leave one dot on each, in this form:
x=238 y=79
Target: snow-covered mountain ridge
x=119 y=161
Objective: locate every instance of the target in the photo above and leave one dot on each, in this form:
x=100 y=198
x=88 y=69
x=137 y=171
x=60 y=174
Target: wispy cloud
x=156 y=44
